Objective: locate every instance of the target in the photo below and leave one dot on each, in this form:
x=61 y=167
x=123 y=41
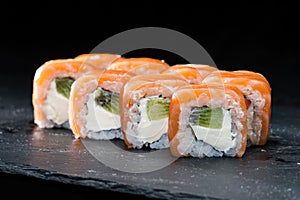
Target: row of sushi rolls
x=194 y=110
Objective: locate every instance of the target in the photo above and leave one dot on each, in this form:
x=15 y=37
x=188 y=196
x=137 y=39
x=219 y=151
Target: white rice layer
x=254 y=114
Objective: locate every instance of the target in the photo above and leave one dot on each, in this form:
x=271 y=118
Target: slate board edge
x=31 y=171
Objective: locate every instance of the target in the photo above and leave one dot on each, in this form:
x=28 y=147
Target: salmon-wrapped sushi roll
x=94 y=105
x=193 y=73
x=144 y=102
x=51 y=87
x=94 y=99
x=257 y=93
x=207 y=121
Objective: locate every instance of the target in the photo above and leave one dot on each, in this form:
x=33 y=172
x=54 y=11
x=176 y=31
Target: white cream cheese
x=56 y=105
x=98 y=119
x=220 y=139
x=150 y=131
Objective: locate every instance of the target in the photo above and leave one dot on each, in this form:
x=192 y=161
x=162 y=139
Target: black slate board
x=268 y=172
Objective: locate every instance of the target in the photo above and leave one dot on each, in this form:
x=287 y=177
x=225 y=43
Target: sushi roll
x=144 y=109
x=207 y=121
x=94 y=99
x=257 y=92
x=51 y=88
x=94 y=105
x=193 y=73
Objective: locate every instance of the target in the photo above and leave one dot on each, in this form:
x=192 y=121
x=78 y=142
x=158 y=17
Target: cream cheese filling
x=56 y=105
x=97 y=118
x=220 y=139
x=150 y=131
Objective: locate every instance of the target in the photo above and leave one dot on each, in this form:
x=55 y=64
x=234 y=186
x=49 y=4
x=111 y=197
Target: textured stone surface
x=268 y=172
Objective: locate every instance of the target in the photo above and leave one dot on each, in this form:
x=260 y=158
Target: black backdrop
x=262 y=37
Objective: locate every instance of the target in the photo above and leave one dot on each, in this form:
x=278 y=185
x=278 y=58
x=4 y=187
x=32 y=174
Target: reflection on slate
x=271 y=171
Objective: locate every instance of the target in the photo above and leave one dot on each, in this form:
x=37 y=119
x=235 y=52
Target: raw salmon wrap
x=193 y=73
x=207 y=121
x=144 y=102
x=51 y=87
x=257 y=93
x=94 y=99
x=100 y=61
x=138 y=65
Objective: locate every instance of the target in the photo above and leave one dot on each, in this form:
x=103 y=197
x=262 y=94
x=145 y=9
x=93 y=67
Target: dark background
x=262 y=37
